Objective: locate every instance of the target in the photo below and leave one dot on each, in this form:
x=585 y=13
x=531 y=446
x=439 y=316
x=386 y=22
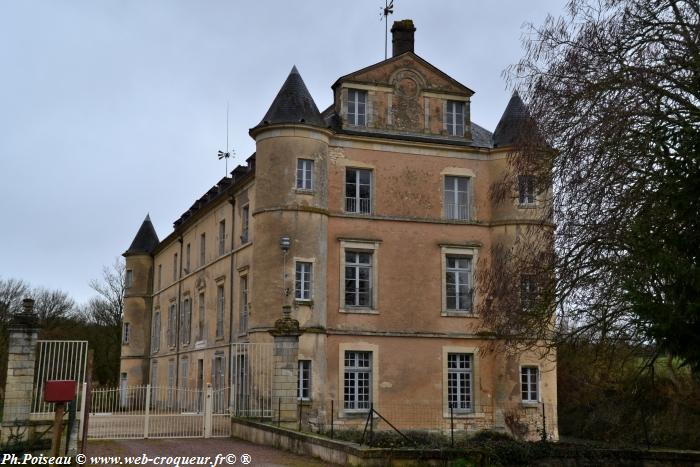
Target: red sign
x=59 y=390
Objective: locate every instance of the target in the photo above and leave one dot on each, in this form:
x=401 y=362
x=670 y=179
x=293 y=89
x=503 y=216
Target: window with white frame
x=456 y=197
x=185 y=321
x=245 y=221
x=129 y=279
x=358 y=278
x=455 y=118
x=155 y=332
x=126 y=331
x=202 y=249
x=529 y=380
x=459 y=381
x=526 y=189
x=243 y=317
x=200 y=317
x=304 y=381
x=302 y=281
x=222 y=237
x=358 y=191
x=357 y=102
x=357 y=386
x=172 y=325
x=305 y=174
x=220 y=303
x=458 y=283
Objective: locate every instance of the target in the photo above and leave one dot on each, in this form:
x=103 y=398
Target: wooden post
x=87 y=405
x=57 y=428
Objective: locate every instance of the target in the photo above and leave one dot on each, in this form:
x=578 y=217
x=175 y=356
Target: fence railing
x=57 y=359
x=251 y=382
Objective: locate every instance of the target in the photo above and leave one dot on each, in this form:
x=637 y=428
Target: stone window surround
x=476 y=411
x=457 y=250
x=300 y=259
x=459 y=172
x=360 y=245
x=374 y=376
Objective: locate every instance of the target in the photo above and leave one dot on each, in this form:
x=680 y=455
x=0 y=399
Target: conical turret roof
x=146 y=239
x=512 y=121
x=293 y=104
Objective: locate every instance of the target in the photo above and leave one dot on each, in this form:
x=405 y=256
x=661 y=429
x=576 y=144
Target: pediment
x=407 y=72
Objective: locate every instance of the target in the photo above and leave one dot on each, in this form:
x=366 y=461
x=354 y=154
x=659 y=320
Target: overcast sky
x=110 y=110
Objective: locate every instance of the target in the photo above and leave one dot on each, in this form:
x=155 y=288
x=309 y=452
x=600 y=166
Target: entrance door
x=200 y=385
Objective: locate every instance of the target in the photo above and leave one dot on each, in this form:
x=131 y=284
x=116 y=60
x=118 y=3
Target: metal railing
x=251 y=383
x=457 y=211
x=358 y=205
x=58 y=360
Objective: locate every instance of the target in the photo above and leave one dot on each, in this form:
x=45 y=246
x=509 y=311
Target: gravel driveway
x=260 y=455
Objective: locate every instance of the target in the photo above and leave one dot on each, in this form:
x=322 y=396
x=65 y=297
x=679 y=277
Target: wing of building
x=368 y=219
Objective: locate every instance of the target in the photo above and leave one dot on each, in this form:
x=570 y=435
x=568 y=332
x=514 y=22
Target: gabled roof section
x=444 y=82
x=293 y=104
x=512 y=122
x=146 y=239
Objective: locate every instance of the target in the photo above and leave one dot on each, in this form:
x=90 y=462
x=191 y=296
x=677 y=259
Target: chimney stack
x=402 y=37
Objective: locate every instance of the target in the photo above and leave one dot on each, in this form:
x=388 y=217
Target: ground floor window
x=529 y=379
x=357 y=381
x=304 y=381
x=459 y=381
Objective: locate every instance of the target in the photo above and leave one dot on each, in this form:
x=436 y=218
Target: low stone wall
x=344 y=453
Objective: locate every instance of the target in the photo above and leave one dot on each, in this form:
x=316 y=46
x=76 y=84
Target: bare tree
x=611 y=141
x=107 y=308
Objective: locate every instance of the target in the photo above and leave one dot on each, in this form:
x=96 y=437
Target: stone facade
x=379 y=252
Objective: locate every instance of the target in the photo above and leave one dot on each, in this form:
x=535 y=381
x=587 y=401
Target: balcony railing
x=457 y=211
x=358 y=205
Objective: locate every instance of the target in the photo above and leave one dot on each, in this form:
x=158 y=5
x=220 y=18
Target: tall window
x=187 y=258
x=458 y=279
x=526 y=189
x=175 y=267
x=126 y=331
x=185 y=322
x=220 y=311
x=129 y=279
x=455 y=118
x=160 y=276
x=184 y=377
x=200 y=320
x=358 y=278
x=457 y=197
x=172 y=325
x=154 y=376
x=358 y=191
x=304 y=381
x=528 y=291
x=245 y=214
x=202 y=249
x=357 y=389
x=171 y=383
x=356 y=107
x=155 y=336
x=529 y=379
x=222 y=237
x=302 y=282
x=459 y=381
x=243 y=318
x=305 y=174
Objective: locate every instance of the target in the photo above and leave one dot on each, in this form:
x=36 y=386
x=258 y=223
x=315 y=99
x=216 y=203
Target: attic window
x=356 y=107
x=455 y=118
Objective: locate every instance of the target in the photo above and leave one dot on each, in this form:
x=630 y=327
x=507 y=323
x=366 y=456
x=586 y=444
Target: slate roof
x=146 y=239
x=293 y=104
x=511 y=123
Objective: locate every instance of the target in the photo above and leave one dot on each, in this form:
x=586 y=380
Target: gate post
x=147 y=411
x=23 y=331
x=285 y=360
x=208 y=411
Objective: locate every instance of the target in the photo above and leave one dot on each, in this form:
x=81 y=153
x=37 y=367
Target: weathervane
x=384 y=15
x=226 y=155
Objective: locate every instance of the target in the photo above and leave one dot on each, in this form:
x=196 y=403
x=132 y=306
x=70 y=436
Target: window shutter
x=444 y=115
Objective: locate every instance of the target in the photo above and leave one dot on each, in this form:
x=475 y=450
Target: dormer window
x=454 y=118
x=357 y=101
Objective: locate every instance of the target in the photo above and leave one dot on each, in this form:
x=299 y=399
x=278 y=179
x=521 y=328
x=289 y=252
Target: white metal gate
x=58 y=360
x=159 y=412
x=252 y=366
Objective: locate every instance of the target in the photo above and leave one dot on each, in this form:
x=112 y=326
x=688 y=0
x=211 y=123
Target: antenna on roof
x=229 y=152
x=384 y=15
